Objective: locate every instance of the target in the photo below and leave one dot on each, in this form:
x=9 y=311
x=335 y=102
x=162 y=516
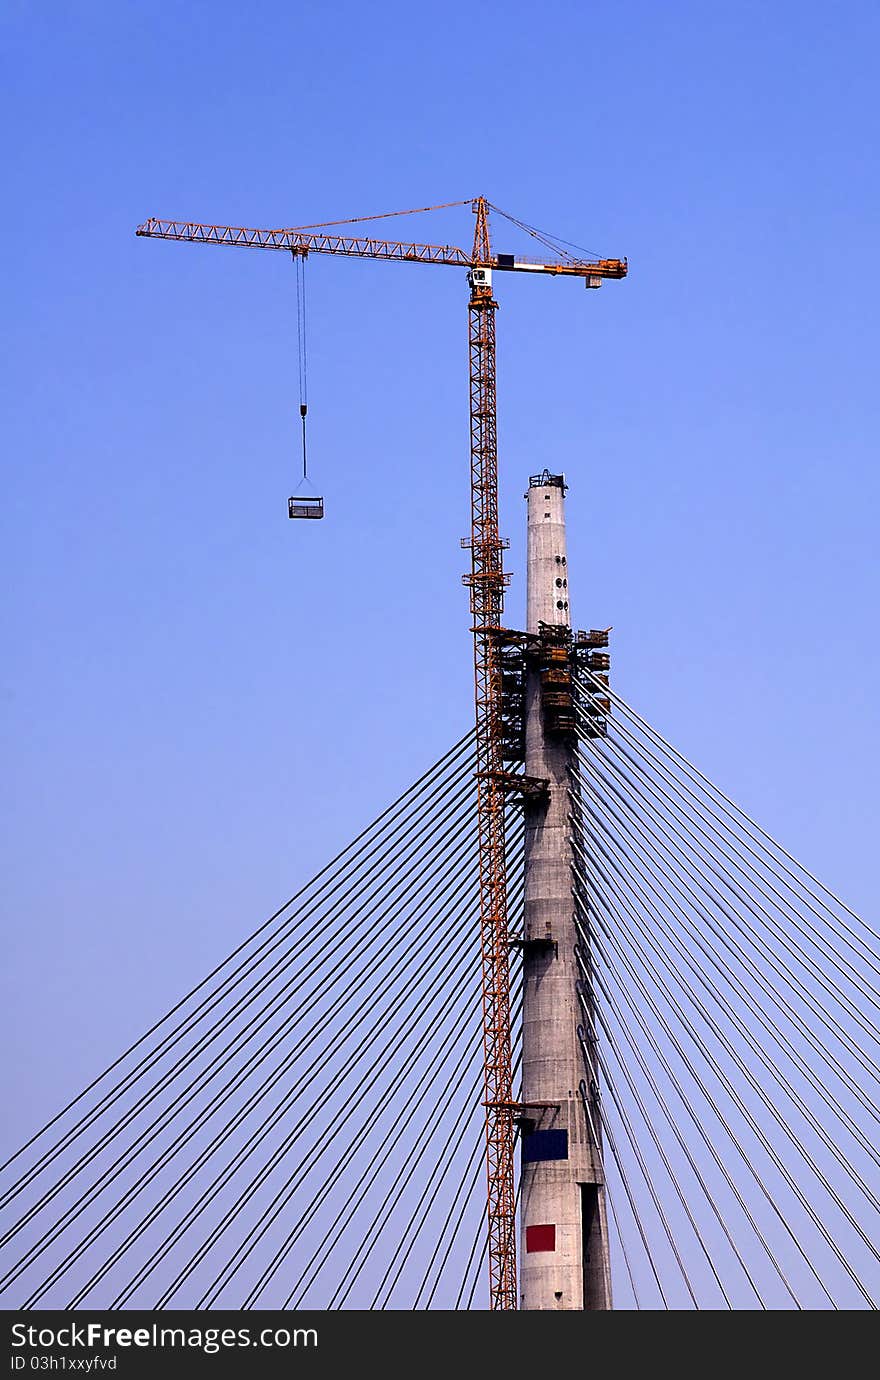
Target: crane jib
x=297 y=242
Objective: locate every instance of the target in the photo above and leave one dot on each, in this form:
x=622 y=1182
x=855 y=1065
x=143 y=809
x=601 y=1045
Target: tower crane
x=486 y=581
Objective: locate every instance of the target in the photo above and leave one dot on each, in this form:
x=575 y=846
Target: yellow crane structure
x=487 y=581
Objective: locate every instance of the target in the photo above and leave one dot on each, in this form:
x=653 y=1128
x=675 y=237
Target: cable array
x=736 y=1039
x=303 y=1128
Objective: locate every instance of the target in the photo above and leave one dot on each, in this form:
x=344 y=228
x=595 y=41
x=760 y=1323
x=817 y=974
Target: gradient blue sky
x=201 y=700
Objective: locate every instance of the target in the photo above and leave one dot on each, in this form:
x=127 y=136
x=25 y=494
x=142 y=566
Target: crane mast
x=486 y=581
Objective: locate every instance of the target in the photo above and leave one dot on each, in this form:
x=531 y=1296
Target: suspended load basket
x=305 y=507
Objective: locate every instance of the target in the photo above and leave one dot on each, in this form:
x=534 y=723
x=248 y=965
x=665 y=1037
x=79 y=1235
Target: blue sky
x=201 y=700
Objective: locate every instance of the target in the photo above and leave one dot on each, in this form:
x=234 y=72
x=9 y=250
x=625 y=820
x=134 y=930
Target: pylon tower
x=564 y=1260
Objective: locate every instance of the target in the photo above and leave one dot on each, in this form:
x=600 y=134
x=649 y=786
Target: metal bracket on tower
x=517 y=1108
x=524 y=1117
x=541 y=944
x=531 y=788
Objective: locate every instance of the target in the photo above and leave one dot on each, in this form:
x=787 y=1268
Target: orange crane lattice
x=487 y=581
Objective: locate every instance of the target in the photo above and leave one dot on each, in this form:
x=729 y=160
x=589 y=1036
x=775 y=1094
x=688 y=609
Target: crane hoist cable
x=302 y=353
x=304 y=504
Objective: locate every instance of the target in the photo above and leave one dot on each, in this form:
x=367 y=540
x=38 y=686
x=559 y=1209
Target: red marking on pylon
x=541 y=1238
